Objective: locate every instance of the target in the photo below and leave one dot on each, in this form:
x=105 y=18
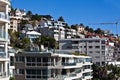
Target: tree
x=12 y=78
x=99 y=72
x=91 y=30
x=87 y=28
x=36 y=17
x=38 y=42
x=74 y=26
x=22 y=23
x=99 y=31
x=12 y=12
x=61 y=19
x=14 y=38
x=29 y=14
x=49 y=42
x=25 y=42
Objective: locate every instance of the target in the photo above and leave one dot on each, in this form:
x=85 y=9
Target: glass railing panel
x=2 y=34
x=4 y=16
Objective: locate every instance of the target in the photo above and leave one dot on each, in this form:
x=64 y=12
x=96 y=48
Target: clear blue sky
x=76 y=11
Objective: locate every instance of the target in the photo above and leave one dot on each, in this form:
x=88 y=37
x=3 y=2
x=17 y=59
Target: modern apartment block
x=98 y=48
x=16 y=18
x=52 y=66
x=4 y=57
x=52 y=28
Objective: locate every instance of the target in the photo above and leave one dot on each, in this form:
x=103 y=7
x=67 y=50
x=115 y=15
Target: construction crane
x=116 y=24
x=109 y=23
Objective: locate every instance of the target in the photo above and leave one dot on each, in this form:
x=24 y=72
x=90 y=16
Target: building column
x=1 y=68
x=54 y=61
x=7 y=11
x=6 y=69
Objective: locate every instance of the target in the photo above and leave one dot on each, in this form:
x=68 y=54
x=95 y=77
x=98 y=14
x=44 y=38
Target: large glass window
x=97 y=46
x=31 y=59
x=20 y=59
x=90 y=46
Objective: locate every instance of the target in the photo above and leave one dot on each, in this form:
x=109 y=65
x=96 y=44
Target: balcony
x=4 y=17
x=2 y=36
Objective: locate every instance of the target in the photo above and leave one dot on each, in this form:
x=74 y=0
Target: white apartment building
x=52 y=66
x=13 y=25
x=80 y=29
x=98 y=48
x=32 y=35
x=4 y=57
x=16 y=19
x=52 y=28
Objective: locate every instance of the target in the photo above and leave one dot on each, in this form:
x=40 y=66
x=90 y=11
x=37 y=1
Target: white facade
x=4 y=57
x=32 y=35
x=13 y=25
x=52 y=66
x=52 y=28
x=97 y=48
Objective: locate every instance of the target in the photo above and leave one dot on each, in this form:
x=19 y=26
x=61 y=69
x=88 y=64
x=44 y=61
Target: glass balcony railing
x=2 y=35
x=4 y=16
x=69 y=64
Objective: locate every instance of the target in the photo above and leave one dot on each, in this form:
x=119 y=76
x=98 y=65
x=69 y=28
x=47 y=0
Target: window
x=97 y=63
x=88 y=60
x=103 y=52
x=97 y=57
x=90 y=46
x=97 y=46
x=97 y=51
x=39 y=59
x=19 y=71
x=75 y=47
x=90 y=51
x=103 y=42
x=75 y=42
x=90 y=41
x=20 y=59
x=11 y=61
x=31 y=59
x=97 y=41
x=103 y=47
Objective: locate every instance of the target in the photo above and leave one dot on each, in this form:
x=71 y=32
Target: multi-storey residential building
x=117 y=54
x=16 y=18
x=80 y=29
x=13 y=25
x=52 y=28
x=52 y=66
x=32 y=35
x=73 y=33
x=68 y=33
x=97 y=48
x=4 y=57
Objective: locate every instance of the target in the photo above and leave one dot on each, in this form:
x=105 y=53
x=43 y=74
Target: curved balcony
x=5 y=1
x=4 y=17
